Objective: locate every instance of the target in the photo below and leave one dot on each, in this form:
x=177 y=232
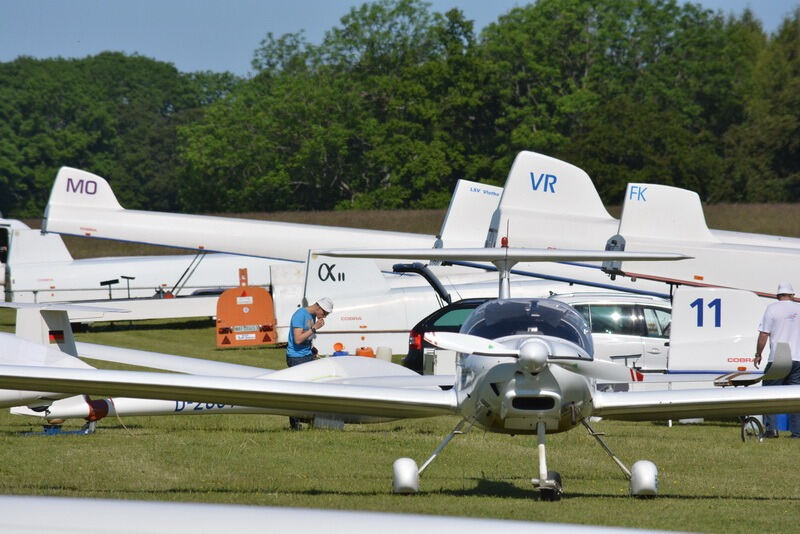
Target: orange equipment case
x=245 y=316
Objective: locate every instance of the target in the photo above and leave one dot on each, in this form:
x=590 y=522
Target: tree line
x=398 y=102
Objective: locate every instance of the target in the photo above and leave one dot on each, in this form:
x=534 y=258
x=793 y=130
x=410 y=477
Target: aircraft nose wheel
x=551 y=489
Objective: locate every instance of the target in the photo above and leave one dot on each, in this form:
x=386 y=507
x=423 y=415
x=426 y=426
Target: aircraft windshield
x=499 y=318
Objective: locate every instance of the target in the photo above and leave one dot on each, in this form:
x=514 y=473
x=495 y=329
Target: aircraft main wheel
x=644 y=479
x=752 y=428
x=554 y=490
x=406 y=476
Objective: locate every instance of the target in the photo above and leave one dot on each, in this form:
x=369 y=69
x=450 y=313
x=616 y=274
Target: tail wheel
x=752 y=429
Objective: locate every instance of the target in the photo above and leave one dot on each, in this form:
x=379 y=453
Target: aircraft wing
x=292 y=396
x=503 y=254
x=688 y=403
x=167 y=362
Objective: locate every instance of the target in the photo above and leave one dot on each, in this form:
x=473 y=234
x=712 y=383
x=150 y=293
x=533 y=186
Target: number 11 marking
x=716 y=304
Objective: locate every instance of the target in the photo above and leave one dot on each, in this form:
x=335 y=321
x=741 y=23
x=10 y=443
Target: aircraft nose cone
x=533 y=355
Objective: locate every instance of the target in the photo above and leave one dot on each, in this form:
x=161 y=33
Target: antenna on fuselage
x=504 y=269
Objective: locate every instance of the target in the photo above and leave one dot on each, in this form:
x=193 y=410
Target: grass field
x=709 y=480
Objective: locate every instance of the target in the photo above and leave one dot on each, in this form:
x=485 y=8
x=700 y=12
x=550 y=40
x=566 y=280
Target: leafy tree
x=764 y=150
x=111 y=114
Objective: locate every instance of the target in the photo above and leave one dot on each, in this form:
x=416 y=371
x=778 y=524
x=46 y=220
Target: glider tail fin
x=547 y=202
x=469 y=214
x=654 y=211
x=714 y=330
x=74 y=188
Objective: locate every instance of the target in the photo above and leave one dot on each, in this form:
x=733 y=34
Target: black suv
x=447 y=319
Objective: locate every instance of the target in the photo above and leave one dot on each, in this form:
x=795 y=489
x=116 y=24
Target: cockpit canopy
x=498 y=318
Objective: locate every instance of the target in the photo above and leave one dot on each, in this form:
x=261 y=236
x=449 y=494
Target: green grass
x=710 y=480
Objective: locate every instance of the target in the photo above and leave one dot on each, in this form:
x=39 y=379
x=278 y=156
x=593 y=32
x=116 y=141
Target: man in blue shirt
x=302 y=328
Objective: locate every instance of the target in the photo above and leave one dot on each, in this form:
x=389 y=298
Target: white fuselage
x=508 y=399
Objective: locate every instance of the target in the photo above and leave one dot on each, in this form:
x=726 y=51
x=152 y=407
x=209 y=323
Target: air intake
x=533 y=403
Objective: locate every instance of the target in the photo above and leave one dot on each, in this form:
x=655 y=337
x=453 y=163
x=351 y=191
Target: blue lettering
x=636 y=192
x=547 y=181
x=715 y=304
x=198 y=406
x=550 y=181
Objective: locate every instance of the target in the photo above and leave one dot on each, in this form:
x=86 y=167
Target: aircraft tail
x=340 y=277
x=469 y=214
x=653 y=211
x=32 y=246
x=714 y=329
x=74 y=187
x=547 y=202
x=43 y=339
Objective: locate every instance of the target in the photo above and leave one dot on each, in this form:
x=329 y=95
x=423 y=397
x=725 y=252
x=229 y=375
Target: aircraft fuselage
x=508 y=399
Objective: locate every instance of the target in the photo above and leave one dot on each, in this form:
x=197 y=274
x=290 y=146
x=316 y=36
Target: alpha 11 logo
x=326 y=272
x=83 y=187
x=546 y=182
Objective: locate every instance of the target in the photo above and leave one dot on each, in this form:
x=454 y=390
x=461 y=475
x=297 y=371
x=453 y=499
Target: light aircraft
x=533 y=377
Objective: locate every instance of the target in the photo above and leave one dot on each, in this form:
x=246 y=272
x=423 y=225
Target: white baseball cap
x=785 y=288
x=327 y=304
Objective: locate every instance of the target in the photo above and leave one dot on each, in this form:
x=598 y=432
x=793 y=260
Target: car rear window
x=453 y=317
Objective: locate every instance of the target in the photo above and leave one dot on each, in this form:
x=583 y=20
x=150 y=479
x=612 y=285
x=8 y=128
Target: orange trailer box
x=245 y=316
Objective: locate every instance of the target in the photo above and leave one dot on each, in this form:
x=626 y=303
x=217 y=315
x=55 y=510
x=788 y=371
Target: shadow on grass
x=127 y=326
x=493 y=488
x=484 y=488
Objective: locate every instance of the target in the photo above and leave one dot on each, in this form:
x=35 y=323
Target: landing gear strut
x=643 y=474
x=549 y=482
x=406 y=474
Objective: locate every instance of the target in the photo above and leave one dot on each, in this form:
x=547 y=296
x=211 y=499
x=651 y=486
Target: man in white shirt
x=781 y=323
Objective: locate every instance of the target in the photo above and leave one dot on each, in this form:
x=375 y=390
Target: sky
x=221 y=35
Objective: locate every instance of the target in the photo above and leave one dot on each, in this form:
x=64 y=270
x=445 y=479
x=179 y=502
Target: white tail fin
x=74 y=187
x=32 y=246
x=547 y=202
x=714 y=329
x=47 y=323
x=46 y=327
x=469 y=214
x=333 y=277
x=663 y=212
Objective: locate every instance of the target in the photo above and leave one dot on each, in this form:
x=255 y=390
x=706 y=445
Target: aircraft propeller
x=535 y=354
